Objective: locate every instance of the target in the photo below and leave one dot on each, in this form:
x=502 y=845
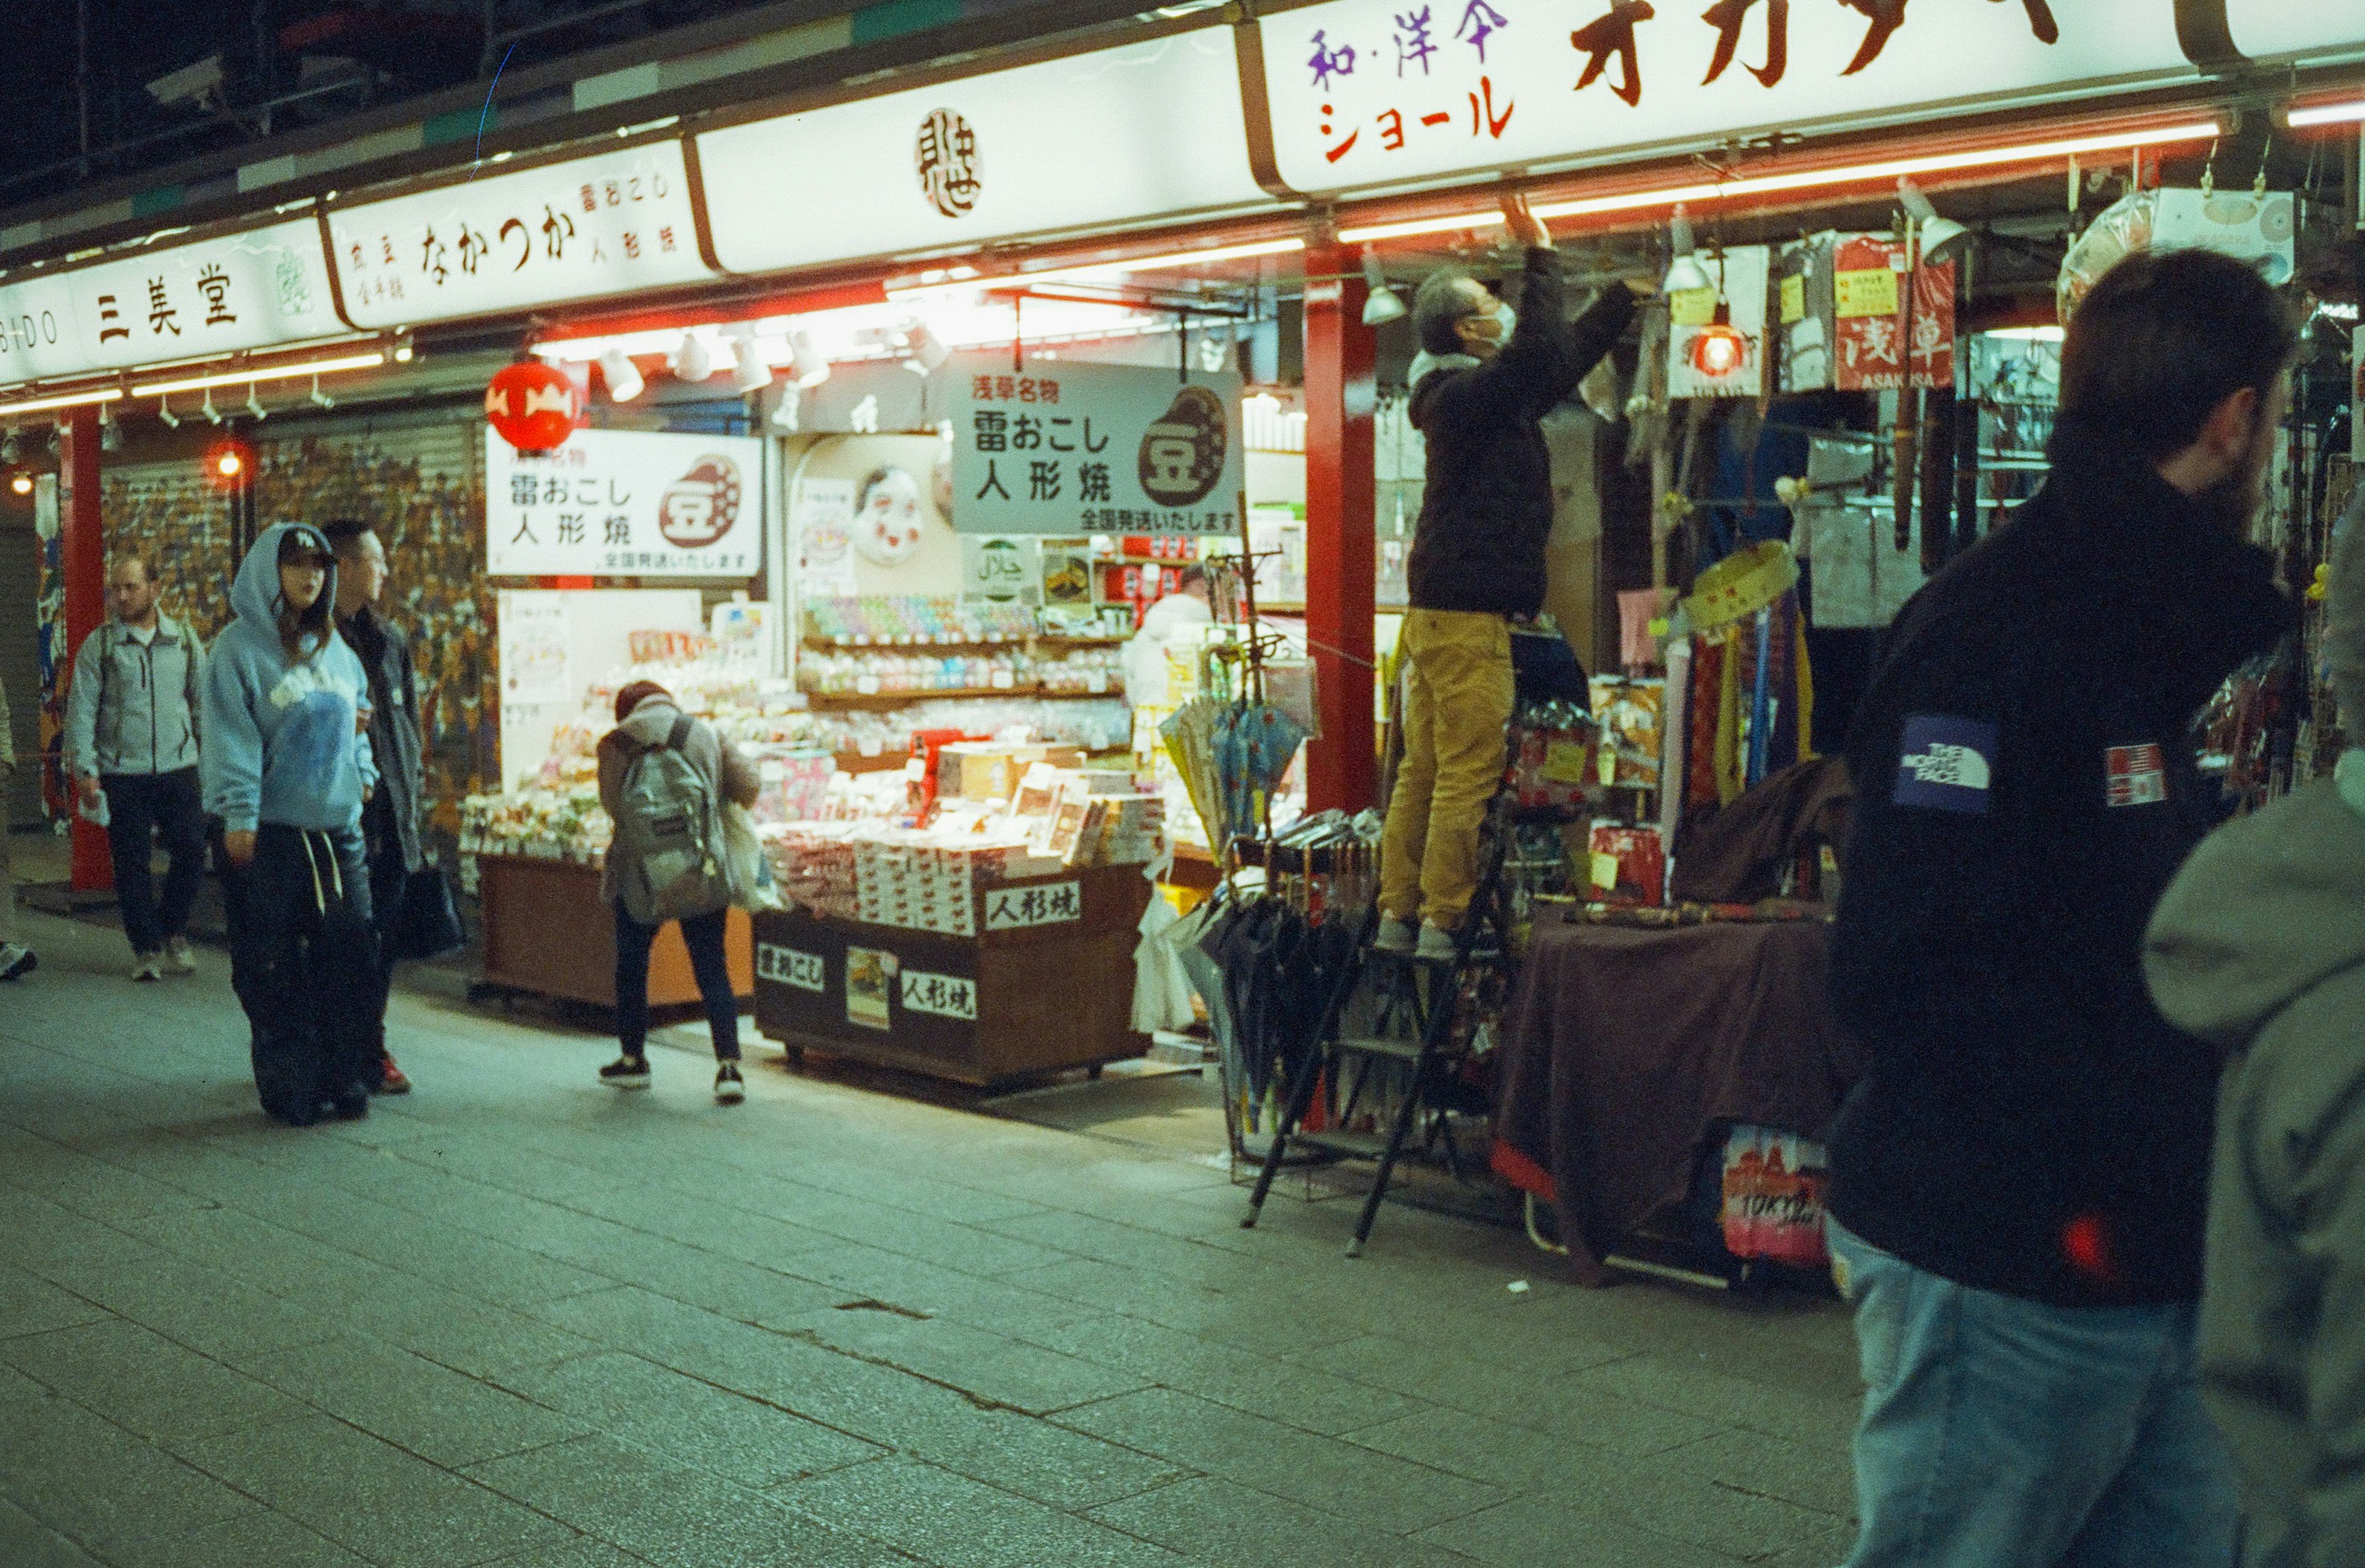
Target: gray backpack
x=670 y=832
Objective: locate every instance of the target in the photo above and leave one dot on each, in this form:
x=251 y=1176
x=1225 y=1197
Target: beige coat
x=2260 y=947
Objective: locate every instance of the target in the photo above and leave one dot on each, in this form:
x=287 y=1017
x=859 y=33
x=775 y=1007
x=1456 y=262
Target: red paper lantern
x=533 y=406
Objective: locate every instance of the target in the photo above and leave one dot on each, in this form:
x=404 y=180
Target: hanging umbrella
x=1190 y=738
x=1254 y=745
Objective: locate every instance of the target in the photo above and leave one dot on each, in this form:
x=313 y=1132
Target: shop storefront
x=888 y=419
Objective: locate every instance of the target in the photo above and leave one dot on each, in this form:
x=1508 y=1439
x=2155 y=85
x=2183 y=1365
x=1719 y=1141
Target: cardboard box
x=1841 y=310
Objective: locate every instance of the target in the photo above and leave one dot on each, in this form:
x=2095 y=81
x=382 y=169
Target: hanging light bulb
x=22 y=483
x=807 y=367
x=1382 y=305
x=1722 y=348
x=1685 y=275
x=1943 y=239
x=693 y=361
x=623 y=376
x=749 y=371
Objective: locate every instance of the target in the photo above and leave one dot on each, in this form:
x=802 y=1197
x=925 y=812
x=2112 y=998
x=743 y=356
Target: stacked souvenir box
x=816 y=864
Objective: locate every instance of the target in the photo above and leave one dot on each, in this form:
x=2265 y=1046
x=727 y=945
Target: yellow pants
x=1457 y=702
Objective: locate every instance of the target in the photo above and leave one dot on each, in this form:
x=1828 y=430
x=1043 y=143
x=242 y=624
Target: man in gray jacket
x=2259 y=948
x=131 y=740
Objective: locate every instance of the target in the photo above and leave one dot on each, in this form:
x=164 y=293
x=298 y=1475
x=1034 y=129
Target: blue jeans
x=2005 y=1433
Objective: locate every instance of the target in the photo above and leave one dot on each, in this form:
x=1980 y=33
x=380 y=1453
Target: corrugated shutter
x=21 y=663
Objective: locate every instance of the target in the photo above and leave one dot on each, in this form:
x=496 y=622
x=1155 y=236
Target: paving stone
x=693 y=1423
x=851 y=1272
x=27 y=1542
x=988 y=1366
x=1529 y=1530
x=1217 y=1521
x=1296 y=1395
x=93 y=1482
x=257 y=1538
x=958 y=1523
x=671 y=1514
x=33 y=1305
x=206 y=1310
x=145 y=1384
x=1520 y=1396
x=1321 y=1472
x=372 y=1497
x=437 y=1414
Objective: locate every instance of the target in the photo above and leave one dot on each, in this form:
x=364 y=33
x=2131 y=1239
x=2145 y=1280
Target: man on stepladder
x=1483 y=382
x=131 y=744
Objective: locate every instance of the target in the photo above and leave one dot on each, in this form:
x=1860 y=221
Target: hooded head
x=286 y=556
x=636 y=693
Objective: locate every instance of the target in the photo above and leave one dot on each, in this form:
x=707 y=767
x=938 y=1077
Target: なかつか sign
x=625 y=503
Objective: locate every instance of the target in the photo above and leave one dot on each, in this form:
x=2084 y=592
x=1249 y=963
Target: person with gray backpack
x=664 y=779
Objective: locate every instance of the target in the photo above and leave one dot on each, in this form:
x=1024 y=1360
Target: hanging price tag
x=1872 y=292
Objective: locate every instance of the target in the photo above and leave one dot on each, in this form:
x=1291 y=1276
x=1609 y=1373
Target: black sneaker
x=351 y=1105
x=729 y=1087
x=16 y=962
x=626 y=1072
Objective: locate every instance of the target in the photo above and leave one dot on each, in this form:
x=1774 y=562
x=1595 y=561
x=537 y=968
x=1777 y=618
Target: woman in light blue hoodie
x=287 y=767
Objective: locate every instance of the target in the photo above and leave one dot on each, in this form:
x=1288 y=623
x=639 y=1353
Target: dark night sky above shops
x=360 y=51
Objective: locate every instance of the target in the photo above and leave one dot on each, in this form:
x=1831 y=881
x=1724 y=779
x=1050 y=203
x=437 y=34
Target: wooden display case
x=1013 y=1003
x=548 y=933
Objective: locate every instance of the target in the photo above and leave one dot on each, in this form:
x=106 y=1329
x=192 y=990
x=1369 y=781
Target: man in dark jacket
x=1483 y=381
x=390 y=819
x=2018 y=1183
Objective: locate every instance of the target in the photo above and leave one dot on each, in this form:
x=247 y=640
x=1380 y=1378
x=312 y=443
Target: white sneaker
x=1395 y=936
x=729 y=1087
x=179 y=960
x=16 y=962
x=1437 y=945
x=147 y=967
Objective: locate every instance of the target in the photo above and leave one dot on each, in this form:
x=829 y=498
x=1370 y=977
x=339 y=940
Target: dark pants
x=702 y=934
x=303 y=960
x=387 y=879
x=138 y=807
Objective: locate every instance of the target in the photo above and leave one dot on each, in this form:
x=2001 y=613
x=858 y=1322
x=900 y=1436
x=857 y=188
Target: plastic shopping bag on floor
x=1773 y=1196
x=748 y=869
x=1161 y=990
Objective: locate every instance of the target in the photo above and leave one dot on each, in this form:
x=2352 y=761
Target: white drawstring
x=320 y=900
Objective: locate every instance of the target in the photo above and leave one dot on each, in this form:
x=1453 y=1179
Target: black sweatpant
x=304 y=961
x=140 y=806
x=702 y=934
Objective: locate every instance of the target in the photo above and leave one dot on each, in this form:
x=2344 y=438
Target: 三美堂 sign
x=1075 y=448
x=625 y=504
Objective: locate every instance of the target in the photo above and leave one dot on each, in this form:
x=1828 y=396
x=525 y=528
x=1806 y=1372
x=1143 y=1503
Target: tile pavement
x=517 y=1319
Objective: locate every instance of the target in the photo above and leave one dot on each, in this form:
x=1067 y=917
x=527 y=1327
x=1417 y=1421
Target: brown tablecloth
x=1622 y=1046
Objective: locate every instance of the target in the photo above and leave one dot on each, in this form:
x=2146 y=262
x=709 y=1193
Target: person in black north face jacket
x=2018 y=1183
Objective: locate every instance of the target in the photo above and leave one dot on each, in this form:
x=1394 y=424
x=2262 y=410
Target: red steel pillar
x=1341 y=568
x=83 y=555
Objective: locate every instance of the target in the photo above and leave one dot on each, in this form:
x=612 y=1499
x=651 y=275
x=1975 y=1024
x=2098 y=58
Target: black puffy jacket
x=2025 y=790
x=1487 y=506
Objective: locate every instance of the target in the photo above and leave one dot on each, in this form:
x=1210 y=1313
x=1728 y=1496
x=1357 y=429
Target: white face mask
x=1505 y=319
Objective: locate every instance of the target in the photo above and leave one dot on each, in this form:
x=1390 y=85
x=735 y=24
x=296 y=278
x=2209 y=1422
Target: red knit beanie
x=635 y=694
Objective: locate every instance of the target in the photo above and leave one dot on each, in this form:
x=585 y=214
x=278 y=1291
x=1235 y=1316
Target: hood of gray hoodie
x=2268 y=908
x=254 y=597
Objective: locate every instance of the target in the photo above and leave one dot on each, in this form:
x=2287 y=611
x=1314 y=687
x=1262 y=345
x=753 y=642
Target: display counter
x=547 y=932
x=1045 y=985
